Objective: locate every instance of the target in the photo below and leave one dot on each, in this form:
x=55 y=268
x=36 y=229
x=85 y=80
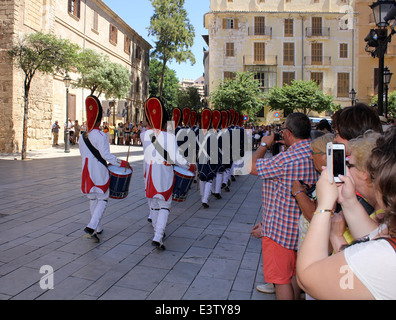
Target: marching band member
x=160 y=153
x=207 y=165
x=95 y=153
x=216 y=186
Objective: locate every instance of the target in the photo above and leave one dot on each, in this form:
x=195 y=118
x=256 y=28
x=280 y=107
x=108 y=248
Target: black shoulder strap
x=158 y=147
x=94 y=151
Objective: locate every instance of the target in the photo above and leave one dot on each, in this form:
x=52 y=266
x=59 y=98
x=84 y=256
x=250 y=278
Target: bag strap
x=94 y=151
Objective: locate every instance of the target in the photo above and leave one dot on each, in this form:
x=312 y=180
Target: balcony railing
x=317 y=32
x=260 y=31
x=317 y=60
x=258 y=60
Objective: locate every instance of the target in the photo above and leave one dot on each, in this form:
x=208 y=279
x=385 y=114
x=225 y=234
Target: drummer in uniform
x=207 y=158
x=216 y=184
x=160 y=153
x=95 y=153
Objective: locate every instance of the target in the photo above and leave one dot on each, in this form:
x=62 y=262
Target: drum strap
x=158 y=147
x=94 y=151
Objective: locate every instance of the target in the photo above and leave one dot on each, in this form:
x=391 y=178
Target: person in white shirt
x=364 y=270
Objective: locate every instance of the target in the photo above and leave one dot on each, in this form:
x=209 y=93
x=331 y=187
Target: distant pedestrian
x=77 y=129
x=55 y=133
x=281 y=213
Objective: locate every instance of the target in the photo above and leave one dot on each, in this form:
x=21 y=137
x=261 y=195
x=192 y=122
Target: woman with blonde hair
x=364 y=270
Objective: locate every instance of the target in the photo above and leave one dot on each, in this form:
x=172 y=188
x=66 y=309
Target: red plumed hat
x=176 y=116
x=224 y=119
x=240 y=121
x=232 y=111
x=216 y=119
x=94 y=111
x=236 y=119
x=186 y=116
x=229 y=118
x=206 y=117
x=193 y=118
x=155 y=113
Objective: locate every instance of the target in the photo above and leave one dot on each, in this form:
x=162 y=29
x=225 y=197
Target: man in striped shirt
x=279 y=226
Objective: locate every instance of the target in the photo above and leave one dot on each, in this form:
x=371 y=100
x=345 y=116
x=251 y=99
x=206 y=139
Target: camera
x=335 y=157
x=277 y=133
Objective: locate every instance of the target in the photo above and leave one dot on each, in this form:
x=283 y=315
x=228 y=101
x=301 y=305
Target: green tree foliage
x=391 y=103
x=189 y=97
x=174 y=35
x=100 y=75
x=45 y=53
x=241 y=93
x=301 y=96
x=171 y=84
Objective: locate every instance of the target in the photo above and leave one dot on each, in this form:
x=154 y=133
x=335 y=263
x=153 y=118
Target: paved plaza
x=210 y=254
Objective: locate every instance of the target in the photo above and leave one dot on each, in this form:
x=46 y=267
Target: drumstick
x=127 y=156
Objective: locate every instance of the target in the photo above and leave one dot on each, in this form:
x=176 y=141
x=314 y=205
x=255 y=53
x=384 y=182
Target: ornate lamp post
x=387 y=80
x=352 y=96
x=67 y=81
x=379 y=38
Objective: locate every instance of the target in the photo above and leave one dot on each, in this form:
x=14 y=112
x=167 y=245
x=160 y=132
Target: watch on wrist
x=263 y=144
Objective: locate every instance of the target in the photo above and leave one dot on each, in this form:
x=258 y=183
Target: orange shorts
x=279 y=263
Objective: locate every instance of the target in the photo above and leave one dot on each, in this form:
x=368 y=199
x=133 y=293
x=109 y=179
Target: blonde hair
x=321 y=142
x=361 y=148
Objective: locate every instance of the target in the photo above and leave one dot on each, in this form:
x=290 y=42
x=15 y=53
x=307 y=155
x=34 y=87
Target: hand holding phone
x=335 y=156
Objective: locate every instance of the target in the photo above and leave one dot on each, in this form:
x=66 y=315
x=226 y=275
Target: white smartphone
x=335 y=156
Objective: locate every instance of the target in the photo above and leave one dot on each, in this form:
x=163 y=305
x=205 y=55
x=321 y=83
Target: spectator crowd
x=325 y=239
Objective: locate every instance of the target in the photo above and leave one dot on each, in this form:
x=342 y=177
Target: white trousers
x=216 y=184
x=226 y=175
x=159 y=212
x=205 y=187
x=97 y=207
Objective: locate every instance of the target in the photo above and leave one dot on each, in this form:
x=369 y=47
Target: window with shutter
x=288 y=53
x=343 y=84
x=74 y=7
x=113 y=34
x=95 y=22
x=259 y=52
x=229 y=49
x=317 y=53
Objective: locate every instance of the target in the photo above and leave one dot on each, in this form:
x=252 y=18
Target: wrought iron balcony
x=260 y=31
x=317 y=32
x=317 y=60
x=260 y=60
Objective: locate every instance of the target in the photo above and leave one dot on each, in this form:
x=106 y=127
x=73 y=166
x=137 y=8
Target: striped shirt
x=281 y=212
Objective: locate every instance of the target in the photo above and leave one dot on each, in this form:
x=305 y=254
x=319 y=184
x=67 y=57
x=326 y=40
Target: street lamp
x=352 y=96
x=380 y=11
x=67 y=81
x=387 y=80
x=383 y=11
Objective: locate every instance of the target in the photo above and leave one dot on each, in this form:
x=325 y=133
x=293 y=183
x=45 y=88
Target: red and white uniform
x=95 y=176
x=158 y=173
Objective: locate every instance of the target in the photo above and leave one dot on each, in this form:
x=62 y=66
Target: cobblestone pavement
x=210 y=254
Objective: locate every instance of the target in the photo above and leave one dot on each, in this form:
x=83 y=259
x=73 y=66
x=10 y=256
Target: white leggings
x=159 y=212
x=97 y=206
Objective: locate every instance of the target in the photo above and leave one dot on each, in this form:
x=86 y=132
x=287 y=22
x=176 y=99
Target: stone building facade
x=285 y=40
x=92 y=25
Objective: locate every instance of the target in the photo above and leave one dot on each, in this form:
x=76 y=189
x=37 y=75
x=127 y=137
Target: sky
x=137 y=14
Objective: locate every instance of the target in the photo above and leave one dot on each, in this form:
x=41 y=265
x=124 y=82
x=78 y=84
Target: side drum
x=183 y=181
x=119 y=181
